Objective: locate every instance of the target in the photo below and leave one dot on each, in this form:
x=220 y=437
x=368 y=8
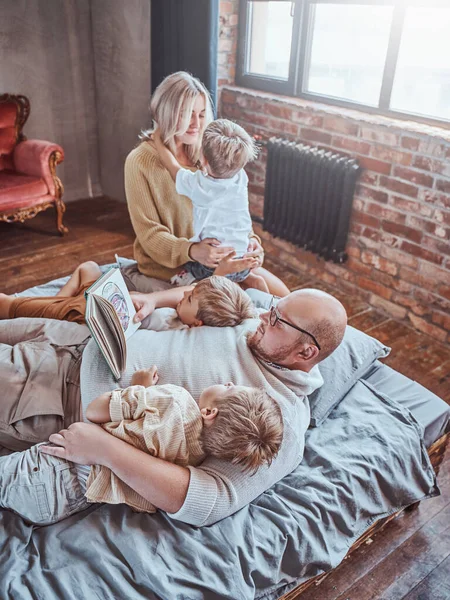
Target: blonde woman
x=161 y=218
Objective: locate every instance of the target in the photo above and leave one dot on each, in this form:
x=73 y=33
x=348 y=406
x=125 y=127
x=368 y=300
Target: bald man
x=279 y=352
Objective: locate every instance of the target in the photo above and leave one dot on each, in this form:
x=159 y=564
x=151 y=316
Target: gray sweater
x=194 y=359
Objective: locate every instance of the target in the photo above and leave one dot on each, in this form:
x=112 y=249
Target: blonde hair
x=247 y=430
x=170 y=110
x=222 y=303
x=227 y=147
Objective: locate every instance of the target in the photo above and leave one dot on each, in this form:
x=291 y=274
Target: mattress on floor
x=431 y=412
x=366 y=461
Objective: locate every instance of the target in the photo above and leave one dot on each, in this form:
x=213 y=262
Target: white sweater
x=194 y=359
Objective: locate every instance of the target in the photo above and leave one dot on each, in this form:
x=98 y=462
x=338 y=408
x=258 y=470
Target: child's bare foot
x=5 y=304
x=255 y=281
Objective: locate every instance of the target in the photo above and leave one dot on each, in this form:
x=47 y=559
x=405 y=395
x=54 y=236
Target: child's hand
x=229 y=264
x=156 y=137
x=145 y=377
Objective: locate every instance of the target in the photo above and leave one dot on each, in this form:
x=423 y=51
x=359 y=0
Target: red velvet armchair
x=28 y=181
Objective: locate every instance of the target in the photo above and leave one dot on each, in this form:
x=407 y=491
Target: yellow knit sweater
x=161 y=218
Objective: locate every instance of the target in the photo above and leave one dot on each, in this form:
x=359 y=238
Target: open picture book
x=109 y=316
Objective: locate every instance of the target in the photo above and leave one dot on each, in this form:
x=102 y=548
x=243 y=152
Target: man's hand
x=145 y=377
x=144 y=304
x=229 y=264
x=81 y=443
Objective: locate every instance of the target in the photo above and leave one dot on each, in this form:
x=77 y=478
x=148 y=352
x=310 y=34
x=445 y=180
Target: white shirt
x=163 y=319
x=220 y=207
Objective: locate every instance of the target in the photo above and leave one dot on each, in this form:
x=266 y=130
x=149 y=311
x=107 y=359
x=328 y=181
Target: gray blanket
x=366 y=461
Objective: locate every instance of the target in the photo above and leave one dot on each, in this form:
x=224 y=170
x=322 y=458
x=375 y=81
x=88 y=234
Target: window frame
x=299 y=59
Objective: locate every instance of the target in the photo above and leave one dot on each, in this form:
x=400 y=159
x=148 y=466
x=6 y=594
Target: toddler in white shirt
x=219 y=196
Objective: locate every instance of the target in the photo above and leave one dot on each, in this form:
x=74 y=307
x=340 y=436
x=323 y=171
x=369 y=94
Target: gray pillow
x=341 y=370
x=261 y=299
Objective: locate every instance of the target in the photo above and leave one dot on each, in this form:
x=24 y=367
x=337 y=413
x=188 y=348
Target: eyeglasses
x=275 y=317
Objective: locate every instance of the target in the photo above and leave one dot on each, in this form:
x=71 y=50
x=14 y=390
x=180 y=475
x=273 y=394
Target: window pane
x=270 y=31
x=348 y=45
x=422 y=78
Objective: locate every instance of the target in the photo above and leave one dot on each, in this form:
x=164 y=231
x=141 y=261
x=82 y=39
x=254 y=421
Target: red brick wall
x=399 y=244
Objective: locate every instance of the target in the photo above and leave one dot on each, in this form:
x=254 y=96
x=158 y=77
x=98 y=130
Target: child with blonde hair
x=219 y=197
x=216 y=302
x=239 y=424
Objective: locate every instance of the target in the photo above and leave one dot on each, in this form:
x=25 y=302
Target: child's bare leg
x=5 y=304
x=84 y=273
x=274 y=283
x=255 y=280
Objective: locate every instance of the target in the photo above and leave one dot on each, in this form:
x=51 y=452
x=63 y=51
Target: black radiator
x=308 y=197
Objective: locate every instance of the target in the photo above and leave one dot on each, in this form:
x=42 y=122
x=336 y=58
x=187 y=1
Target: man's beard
x=274 y=357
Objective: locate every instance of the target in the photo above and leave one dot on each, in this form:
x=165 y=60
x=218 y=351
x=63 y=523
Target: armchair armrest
x=39 y=158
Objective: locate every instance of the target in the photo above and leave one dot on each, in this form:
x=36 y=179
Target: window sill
x=441 y=133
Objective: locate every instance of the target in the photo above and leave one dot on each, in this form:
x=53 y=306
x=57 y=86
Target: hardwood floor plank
x=88 y=216
x=294 y=281
x=439 y=379
x=436 y=586
x=55 y=271
x=27 y=247
x=30 y=253
x=41 y=266
x=392 y=331
x=407 y=565
x=418 y=356
x=367 y=320
x=291 y=279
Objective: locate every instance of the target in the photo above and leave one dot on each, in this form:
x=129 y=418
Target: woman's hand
x=229 y=264
x=144 y=304
x=145 y=377
x=255 y=249
x=81 y=443
x=208 y=252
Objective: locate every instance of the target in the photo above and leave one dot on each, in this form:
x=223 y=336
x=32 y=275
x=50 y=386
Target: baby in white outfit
x=219 y=197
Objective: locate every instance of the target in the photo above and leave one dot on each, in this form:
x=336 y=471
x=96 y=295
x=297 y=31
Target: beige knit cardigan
x=163 y=420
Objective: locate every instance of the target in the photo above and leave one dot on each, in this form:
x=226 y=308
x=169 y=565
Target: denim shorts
x=199 y=271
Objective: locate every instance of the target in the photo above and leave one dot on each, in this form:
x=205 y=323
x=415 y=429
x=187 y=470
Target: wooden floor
x=408 y=560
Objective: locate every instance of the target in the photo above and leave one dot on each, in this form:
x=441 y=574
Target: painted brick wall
x=228 y=32
x=399 y=244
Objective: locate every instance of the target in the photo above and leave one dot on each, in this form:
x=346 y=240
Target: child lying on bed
x=216 y=301
x=235 y=423
x=240 y=424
